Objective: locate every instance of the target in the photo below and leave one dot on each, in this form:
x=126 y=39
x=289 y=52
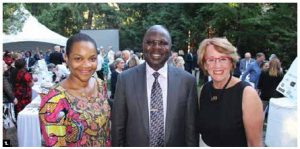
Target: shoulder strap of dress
x=244 y=84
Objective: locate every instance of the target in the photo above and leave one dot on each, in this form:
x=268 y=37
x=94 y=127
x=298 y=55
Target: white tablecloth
x=282 y=123
x=29 y=134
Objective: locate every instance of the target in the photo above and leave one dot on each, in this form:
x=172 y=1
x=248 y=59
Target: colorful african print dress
x=68 y=121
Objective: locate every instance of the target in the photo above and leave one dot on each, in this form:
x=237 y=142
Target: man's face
x=247 y=55
x=174 y=55
x=262 y=58
x=57 y=48
x=27 y=54
x=125 y=56
x=156 y=46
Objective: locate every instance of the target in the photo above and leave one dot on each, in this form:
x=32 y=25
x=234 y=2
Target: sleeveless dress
x=68 y=121
x=221 y=121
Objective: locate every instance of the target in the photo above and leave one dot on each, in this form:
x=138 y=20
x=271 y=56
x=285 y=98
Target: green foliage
x=13 y=23
x=254 y=27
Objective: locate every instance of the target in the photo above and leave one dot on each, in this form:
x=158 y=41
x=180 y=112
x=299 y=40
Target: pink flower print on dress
x=93 y=126
x=96 y=107
x=106 y=107
x=83 y=140
x=81 y=105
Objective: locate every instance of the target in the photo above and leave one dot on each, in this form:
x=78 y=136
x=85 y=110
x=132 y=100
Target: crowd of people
x=153 y=98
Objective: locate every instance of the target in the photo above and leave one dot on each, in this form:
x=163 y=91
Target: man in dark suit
x=29 y=61
x=188 y=58
x=155 y=104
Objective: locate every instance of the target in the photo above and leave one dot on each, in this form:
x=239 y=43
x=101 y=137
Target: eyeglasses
x=222 y=60
x=160 y=43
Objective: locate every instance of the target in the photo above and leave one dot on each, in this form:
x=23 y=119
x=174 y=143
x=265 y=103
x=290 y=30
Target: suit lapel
x=171 y=95
x=141 y=92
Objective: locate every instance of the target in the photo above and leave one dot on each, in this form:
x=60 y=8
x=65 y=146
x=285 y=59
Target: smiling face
x=82 y=60
x=156 y=47
x=218 y=65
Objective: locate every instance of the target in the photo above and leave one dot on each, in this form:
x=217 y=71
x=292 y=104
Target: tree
x=13 y=18
x=251 y=27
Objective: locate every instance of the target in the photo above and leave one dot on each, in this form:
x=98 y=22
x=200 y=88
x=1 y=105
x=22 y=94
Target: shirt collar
x=162 y=71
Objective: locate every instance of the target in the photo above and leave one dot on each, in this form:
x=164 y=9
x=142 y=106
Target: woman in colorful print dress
x=76 y=111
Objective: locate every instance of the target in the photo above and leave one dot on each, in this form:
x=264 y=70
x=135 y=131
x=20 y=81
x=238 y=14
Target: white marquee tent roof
x=33 y=30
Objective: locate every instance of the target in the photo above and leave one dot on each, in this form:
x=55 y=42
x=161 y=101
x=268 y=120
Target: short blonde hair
x=222 y=45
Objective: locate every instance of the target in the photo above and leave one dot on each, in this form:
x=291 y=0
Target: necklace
x=219 y=95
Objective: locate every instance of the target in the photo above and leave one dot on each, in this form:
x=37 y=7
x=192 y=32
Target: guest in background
x=11 y=72
x=269 y=80
x=133 y=61
x=264 y=66
x=171 y=60
x=272 y=56
x=126 y=57
x=47 y=55
x=179 y=62
x=99 y=64
x=118 y=54
x=56 y=57
x=29 y=61
x=75 y=112
x=23 y=84
x=245 y=62
x=9 y=101
x=53 y=69
x=254 y=70
x=188 y=58
x=237 y=72
x=119 y=66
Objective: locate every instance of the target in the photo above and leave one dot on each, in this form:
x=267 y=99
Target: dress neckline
x=229 y=88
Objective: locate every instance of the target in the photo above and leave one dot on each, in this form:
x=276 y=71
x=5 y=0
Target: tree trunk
x=90 y=20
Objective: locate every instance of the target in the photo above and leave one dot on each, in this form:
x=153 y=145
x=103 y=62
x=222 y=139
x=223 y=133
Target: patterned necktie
x=156 y=114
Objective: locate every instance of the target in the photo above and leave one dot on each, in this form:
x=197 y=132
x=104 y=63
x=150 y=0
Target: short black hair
x=164 y=29
x=259 y=54
x=77 y=38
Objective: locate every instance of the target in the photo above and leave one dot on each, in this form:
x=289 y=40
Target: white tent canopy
x=34 y=31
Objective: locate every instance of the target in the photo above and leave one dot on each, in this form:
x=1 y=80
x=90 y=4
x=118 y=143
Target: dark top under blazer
x=130 y=118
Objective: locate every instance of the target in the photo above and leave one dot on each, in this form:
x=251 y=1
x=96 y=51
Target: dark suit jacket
x=56 y=58
x=130 y=118
x=31 y=62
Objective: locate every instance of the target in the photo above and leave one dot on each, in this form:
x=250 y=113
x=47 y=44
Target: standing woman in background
x=76 y=111
x=231 y=112
x=269 y=80
x=9 y=100
x=22 y=88
x=119 y=66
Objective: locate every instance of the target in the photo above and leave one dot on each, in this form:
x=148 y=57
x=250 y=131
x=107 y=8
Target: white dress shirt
x=163 y=82
x=27 y=63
